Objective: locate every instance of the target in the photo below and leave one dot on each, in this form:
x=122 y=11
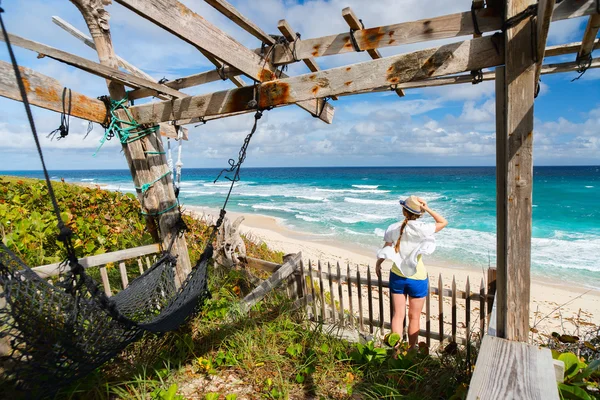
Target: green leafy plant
x=169 y=394
x=578 y=376
x=366 y=354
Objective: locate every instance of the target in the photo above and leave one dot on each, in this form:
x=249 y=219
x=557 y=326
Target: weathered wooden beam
x=568 y=48
x=289 y=34
x=589 y=36
x=444 y=27
x=444 y=60
x=514 y=274
x=159 y=200
x=46 y=271
x=544 y=16
x=178 y=19
x=94 y=68
x=85 y=39
x=233 y=14
x=355 y=24
x=509 y=370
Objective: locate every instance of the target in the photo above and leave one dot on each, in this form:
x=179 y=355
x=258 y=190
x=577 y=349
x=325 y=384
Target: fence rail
x=354 y=301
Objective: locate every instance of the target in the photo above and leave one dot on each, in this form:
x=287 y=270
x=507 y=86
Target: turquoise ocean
x=354 y=205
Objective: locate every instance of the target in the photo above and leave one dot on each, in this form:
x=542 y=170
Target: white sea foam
x=88 y=180
x=366 y=186
x=313 y=198
x=193 y=193
x=243 y=205
x=307 y=218
x=351 y=232
x=589 y=187
x=359 y=191
x=379 y=232
x=367 y=201
x=272 y=208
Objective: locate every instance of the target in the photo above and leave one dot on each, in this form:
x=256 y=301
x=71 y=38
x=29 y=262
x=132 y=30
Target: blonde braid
x=397 y=246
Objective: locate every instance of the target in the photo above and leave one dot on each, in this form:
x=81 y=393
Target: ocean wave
x=360 y=218
x=367 y=201
x=307 y=218
x=359 y=191
x=379 y=232
x=366 y=186
x=272 y=208
x=313 y=198
x=243 y=205
x=351 y=232
x=251 y=194
x=197 y=193
x=589 y=187
x=88 y=179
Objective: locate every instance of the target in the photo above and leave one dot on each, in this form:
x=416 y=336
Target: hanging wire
x=63 y=130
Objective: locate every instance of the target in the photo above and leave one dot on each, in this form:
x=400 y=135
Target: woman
x=405 y=242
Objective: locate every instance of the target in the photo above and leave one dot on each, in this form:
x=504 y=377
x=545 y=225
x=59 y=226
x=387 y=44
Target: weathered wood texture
x=589 y=36
x=569 y=48
x=544 y=16
x=355 y=24
x=92 y=67
x=268 y=285
x=233 y=14
x=160 y=198
x=46 y=271
x=46 y=92
x=447 y=26
x=444 y=60
x=512 y=370
x=514 y=274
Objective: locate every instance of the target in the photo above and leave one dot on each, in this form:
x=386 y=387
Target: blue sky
x=452 y=125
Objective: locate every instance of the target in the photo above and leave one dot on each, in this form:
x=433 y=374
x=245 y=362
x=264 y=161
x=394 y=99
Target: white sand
x=583 y=305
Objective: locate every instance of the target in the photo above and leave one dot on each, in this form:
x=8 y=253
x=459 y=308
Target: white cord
x=179 y=164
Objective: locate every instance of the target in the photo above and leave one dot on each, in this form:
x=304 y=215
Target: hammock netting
x=56 y=331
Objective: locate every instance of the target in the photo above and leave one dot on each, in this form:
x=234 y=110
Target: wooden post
x=441 y=307
x=303 y=287
x=321 y=292
x=360 y=305
x=453 y=309
x=105 y=281
x=491 y=288
x=515 y=175
x=340 y=294
x=428 y=315
x=143 y=169
x=468 y=310
x=312 y=291
x=331 y=296
x=482 y=300
x=380 y=287
x=123 y=272
x=350 y=305
x=370 y=298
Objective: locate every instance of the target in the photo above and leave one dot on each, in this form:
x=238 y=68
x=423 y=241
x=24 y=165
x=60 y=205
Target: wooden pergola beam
x=449 y=59
x=544 y=16
x=355 y=24
x=287 y=31
x=444 y=27
x=92 y=67
x=568 y=48
x=233 y=14
x=176 y=18
x=589 y=36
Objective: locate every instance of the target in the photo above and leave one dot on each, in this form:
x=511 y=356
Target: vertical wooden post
x=331 y=296
x=350 y=305
x=312 y=291
x=360 y=305
x=441 y=307
x=123 y=272
x=321 y=292
x=304 y=288
x=515 y=174
x=428 y=315
x=491 y=288
x=454 y=323
x=370 y=298
x=143 y=169
x=482 y=312
x=340 y=293
x=380 y=287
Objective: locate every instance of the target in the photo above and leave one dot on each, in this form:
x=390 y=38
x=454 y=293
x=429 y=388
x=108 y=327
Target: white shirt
x=417 y=239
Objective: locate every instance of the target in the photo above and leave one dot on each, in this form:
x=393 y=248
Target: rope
x=353 y=39
x=146 y=186
x=583 y=64
x=63 y=130
x=475 y=22
x=477 y=76
x=221 y=72
x=530 y=11
x=156 y=214
x=325 y=100
x=128 y=131
x=179 y=163
x=65 y=232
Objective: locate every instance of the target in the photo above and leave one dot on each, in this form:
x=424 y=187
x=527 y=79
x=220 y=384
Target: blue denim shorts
x=412 y=287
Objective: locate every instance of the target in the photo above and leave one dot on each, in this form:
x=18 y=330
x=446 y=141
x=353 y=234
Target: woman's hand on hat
x=422 y=202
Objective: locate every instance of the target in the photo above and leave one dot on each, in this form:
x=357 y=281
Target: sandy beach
x=555 y=306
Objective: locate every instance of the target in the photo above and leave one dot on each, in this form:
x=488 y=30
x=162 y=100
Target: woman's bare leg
x=399 y=312
x=415 y=306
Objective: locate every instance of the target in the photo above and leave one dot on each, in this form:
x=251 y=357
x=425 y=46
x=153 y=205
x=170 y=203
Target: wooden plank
x=312 y=289
x=454 y=321
x=360 y=308
x=443 y=27
x=262 y=265
x=105 y=281
x=544 y=15
x=491 y=287
x=514 y=274
x=482 y=308
x=340 y=294
x=321 y=292
x=589 y=37
x=350 y=302
x=355 y=24
x=441 y=305
x=370 y=298
x=380 y=292
x=568 y=48
x=46 y=271
x=427 y=315
x=123 y=272
x=331 y=295
x=448 y=59
x=46 y=92
x=304 y=289
x=233 y=14
x=468 y=311
x=512 y=370
x=94 y=68
x=190 y=27
x=140 y=265
x=148 y=263
x=88 y=41
x=287 y=31
x=269 y=284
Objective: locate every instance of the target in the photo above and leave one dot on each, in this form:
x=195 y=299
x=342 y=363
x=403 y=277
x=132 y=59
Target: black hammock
x=53 y=334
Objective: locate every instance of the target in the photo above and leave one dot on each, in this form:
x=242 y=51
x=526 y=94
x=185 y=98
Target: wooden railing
x=142 y=257
x=348 y=300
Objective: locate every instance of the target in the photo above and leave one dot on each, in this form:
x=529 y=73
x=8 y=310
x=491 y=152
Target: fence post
x=491 y=289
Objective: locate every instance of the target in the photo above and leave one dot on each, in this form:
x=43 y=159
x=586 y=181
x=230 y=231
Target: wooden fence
x=353 y=301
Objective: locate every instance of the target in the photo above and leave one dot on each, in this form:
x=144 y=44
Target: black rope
x=583 y=64
x=234 y=167
x=475 y=22
x=530 y=11
x=65 y=232
x=318 y=115
x=477 y=76
x=221 y=72
x=163 y=80
x=538 y=88
x=202 y=122
x=63 y=130
x=294 y=54
x=106 y=100
x=353 y=39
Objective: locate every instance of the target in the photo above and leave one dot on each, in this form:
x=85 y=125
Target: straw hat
x=411 y=204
